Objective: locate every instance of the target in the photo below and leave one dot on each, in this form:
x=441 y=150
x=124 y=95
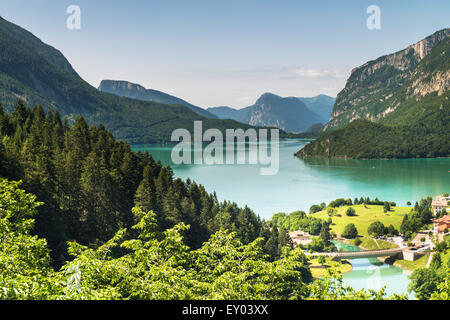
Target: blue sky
x=227 y=52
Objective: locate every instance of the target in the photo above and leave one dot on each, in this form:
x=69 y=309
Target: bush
x=377 y=229
x=330 y=211
x=350 y=231
x=424 y=282
x=392 y=231
x=350 y=212
x=322 y=259
x=436 y=261
x=441 y=246
x=315 y=208
x=357 y=241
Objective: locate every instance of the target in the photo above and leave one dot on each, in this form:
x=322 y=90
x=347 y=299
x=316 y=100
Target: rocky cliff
x=369 y=92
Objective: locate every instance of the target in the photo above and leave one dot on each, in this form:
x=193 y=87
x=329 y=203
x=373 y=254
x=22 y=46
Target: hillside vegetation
x=29 y=71
x=415 y=118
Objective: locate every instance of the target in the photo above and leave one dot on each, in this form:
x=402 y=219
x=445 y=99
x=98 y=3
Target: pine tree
x=325 y=234
x=272 y=245
x=145 y=194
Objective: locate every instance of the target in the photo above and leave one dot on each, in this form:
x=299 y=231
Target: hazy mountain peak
x=287 y=113
x=136 y=91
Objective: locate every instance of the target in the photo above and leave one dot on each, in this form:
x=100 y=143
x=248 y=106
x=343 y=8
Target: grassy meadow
x=364 y=217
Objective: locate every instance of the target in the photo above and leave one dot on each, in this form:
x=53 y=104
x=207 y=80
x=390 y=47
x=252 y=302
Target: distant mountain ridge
x=39 y=74
x=320 y=104
x=135 y=91
x=290 y=114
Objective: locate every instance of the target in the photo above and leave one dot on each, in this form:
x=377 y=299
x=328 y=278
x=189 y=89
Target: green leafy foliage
x=297 y=220
x=40 y=75
x=350 y=231
x=89 y=183
x=363 y=139
x=419 y=216
x=151 y=264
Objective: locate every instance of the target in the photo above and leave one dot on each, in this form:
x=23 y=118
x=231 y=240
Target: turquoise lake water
x=370 y=273
x=302 y=183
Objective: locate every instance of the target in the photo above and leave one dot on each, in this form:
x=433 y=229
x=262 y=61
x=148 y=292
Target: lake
x=302 y=183
x=370 y=273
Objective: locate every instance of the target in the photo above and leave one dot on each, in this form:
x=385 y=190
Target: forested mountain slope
x=89 y=183
x=29 y=71
x=369 y=92
x=412 y=121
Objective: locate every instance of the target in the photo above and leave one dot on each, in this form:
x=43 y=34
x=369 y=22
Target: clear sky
x=227 y=52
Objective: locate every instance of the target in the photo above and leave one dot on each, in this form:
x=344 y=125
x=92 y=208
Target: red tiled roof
x=444 y=219
x=443 y=226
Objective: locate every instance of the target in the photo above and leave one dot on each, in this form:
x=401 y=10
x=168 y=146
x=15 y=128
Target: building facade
x=441 y=224
x=440 y=204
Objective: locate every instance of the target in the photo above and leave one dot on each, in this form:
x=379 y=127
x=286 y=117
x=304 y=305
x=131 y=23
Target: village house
x=300 y=237
x=441 y=224
x=439 y=204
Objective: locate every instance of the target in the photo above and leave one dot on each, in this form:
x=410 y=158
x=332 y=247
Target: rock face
x=398 y=106
x=290 y=114
x=370 y=89
x=122 y=88
x=136 y=91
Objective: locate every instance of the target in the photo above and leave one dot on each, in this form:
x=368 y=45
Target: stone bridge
x=361 y=254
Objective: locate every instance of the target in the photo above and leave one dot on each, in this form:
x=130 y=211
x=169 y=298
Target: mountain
x=318 y=127
x=289 y=114
x=39 y=74
x=225 y=112
x=321 y=105
x=398 y=107
x=369 y=92
x=136 y=91
x=49 y=53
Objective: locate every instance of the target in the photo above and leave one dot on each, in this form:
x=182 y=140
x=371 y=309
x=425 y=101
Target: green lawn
x=342 y=266
x=364 y=217
x=374 y=244
x=413 y=265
